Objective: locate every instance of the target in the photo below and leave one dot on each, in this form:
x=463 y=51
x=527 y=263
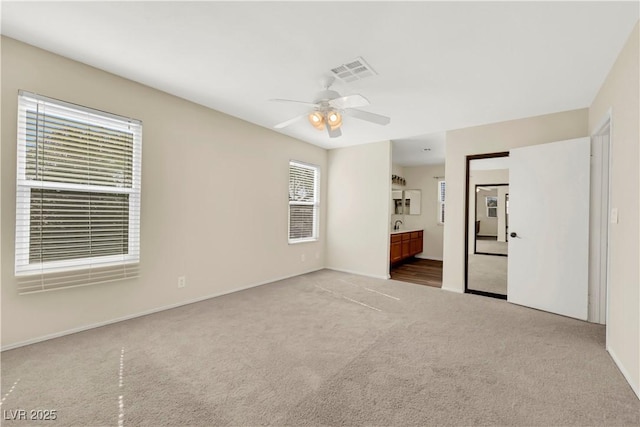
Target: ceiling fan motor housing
x=325 y=96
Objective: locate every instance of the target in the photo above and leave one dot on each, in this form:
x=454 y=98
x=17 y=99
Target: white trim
x=634 y=386
x=358 y=273
x=28 y=101
x=441 y=201
x=147 y=312
x=316 y=203
x=51 y=185
x=610 y=114
x=607 y=120
x=304 y=240
x=76 y=264
x=73 y=108
x=455 y=290
x=599 y=264
x=603 y=122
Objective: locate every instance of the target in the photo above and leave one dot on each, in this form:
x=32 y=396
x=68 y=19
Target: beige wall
x=214 y=200
x=492 y=138
x=423 y=179
x=359 y=188
x=620 y=93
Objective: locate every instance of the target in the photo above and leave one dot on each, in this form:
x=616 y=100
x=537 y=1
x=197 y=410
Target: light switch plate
x=614 y=215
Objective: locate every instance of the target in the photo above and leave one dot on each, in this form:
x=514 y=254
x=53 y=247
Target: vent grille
x=357 y=69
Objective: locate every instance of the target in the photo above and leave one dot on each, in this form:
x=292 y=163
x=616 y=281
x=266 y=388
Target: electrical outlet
x=317 y=255
x=302 y=258
x=182 y=281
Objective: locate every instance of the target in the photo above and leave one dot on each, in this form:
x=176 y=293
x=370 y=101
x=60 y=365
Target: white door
x=549 y=213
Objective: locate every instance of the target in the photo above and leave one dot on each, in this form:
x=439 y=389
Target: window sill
x=297 y=241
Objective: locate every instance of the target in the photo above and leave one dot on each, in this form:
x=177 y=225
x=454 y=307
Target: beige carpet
x=488 y=273
x=327 y=348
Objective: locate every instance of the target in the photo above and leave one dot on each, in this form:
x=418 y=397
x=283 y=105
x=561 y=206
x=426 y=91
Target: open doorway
x=416 y=223
x=599 y=223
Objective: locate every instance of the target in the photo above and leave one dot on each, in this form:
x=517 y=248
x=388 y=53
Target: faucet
x=396 y=226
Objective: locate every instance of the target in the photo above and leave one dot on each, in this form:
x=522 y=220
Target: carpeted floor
x=326 y=348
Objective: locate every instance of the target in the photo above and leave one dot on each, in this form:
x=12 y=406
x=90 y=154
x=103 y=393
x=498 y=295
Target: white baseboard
x=456 y=290
x=385 y=277
x=625 y=373
x=147 y=312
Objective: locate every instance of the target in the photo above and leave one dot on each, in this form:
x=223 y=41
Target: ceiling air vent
x=357 y=69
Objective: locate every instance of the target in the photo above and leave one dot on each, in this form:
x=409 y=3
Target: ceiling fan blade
x=308 y=104
x=349 y=101
x=290 y=121
x=333 y=133
x=370 y=117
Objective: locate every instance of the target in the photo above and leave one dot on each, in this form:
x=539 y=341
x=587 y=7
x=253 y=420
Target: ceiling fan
x=327 y=110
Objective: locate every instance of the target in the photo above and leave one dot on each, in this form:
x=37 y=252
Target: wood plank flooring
x=419 y=271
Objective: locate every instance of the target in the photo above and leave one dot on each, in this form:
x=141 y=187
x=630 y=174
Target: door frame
x=475 y=241
x=599 y=258
x=466 y=222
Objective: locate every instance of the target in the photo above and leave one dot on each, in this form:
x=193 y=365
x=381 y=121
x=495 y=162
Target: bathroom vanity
x=405 y=244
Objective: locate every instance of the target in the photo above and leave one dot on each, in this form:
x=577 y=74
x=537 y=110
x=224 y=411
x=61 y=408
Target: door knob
x=513 y=234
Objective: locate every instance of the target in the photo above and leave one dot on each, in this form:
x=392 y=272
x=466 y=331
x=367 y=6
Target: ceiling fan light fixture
x=334 y=119
x=317 y=120
x=329 y=106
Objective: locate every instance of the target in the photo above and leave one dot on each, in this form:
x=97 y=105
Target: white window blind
x=304 y=202
x=441 y=194
x=78 y=195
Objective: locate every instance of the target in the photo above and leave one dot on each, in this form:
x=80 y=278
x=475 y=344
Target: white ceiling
x=419 y=150
x=440 y=65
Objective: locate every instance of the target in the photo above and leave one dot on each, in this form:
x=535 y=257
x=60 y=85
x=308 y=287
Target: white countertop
x=408 y=230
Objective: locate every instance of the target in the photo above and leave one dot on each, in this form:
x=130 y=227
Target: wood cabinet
x=396 y=248
x=416 y=242
x=405 y=245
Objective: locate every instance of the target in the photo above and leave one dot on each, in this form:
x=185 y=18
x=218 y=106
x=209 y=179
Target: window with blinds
x=78 y=195
x=492 y=206
x=304 y=202
x=441 y=194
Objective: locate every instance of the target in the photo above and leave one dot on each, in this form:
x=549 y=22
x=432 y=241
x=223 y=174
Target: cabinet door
x=414 y=246
x=406 y=248
x=419 y=243
x=396 y=251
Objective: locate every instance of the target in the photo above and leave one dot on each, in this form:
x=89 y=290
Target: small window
x=304 y=202
x=441 y=194
x=78 y=195
x=492 y=206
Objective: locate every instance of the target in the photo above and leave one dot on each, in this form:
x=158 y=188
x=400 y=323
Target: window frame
x=316 y=204
x=23 y=267
x=491 y=208
x=441 y=201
